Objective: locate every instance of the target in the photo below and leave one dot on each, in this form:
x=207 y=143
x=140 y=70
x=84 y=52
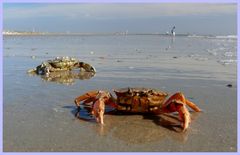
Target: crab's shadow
x=82 y=114
x=168 y=121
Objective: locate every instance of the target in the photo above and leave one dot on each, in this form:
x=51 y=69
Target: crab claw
x=98 y=111
x=99 y=106
x=177 y=103
x=98 y=99
x=85 y=99
x=87 y=67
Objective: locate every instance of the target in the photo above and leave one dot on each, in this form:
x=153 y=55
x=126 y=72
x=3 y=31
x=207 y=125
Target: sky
x=193 y=18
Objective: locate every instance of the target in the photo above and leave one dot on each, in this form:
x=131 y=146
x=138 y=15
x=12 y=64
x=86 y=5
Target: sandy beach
x=39 y=114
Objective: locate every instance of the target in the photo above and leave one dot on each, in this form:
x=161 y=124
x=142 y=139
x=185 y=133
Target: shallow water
x=39 y=115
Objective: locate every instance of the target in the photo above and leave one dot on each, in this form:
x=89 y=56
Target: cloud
x=109 y=11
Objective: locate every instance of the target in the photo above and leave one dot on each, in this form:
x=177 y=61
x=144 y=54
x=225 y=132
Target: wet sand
x=39 y=114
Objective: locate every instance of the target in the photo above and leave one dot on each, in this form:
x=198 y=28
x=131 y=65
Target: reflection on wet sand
x=66 y=77
x=140 y=129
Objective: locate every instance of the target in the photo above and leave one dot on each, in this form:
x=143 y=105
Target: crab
x=137 y=100
x=61 y=64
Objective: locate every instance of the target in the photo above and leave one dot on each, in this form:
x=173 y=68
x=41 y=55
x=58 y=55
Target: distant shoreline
x=116 y=34
x=84 y=34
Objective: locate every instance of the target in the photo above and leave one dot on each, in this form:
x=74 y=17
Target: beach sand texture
x=39 y=114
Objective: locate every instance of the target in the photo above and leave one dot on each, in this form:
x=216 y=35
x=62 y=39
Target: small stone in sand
x=175 y=57
x=229 y=85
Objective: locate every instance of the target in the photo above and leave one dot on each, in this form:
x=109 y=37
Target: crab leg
x=177 y=103
x=193 y=106
x=98 y=110
x=87 y=67
x=99 y=106
x=99 y=99
x=87 y=97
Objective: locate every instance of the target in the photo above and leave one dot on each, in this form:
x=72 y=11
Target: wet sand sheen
x=39 y=115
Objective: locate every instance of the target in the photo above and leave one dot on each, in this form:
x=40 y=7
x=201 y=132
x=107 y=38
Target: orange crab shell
x=141 y=100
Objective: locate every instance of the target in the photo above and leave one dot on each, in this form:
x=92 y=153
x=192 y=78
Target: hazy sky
x=194 y=18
